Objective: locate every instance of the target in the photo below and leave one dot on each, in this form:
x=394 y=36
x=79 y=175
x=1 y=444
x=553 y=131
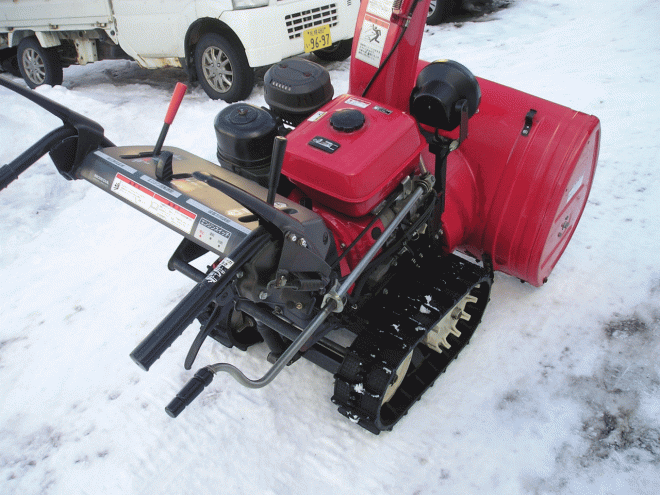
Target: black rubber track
x=395 y=322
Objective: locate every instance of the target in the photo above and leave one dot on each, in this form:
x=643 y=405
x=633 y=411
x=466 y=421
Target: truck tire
x=439 y=10
x=223 y=69
x=337 y=52
x=38 y=65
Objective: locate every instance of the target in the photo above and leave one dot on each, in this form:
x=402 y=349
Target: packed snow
x=558 y=391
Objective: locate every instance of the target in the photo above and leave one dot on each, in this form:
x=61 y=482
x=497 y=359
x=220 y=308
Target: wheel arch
x=195 y=33
x=17 y=36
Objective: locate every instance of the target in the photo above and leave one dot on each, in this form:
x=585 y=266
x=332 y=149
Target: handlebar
x=10 y=172
x=173 y=325
x=196 y=301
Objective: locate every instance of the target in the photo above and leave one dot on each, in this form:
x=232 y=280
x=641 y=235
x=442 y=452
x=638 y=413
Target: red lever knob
x=177 y=96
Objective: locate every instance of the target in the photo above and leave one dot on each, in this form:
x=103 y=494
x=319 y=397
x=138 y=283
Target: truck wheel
x=337 y=52
x=38 y=65
x=439 y=10
x=223 y=69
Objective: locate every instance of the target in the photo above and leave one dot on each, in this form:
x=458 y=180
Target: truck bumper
x=272 y=34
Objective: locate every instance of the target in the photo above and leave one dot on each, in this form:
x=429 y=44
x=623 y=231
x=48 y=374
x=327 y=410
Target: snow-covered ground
x=557 y=393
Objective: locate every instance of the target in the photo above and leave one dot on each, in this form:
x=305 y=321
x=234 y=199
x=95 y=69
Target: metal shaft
x=282 y=361
x=357 y=271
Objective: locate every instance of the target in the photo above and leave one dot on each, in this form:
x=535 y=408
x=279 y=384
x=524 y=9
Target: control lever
x=177 y=96
x=163 y=159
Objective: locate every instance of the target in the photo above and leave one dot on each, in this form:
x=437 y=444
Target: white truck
x=218 y=42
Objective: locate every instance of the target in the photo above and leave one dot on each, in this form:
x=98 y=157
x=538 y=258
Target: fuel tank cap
x=347 y=120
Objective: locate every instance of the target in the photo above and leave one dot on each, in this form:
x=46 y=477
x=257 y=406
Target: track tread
x=393 y=324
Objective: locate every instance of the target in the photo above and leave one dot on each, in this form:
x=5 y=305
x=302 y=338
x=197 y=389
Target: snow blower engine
x=359 y=232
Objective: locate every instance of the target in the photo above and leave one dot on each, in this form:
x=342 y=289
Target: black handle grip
x=7 y=176
x=197 y=300
x=172 y=326
x=10 y=172
x=190 y=392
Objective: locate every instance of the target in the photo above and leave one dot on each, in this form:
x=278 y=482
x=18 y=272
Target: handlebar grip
x=10 y=172
x=7 y=176
x=172 y=326
x=197 y=300
x=190 y=392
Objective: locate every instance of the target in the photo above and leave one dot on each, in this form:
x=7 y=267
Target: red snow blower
x=359 y=232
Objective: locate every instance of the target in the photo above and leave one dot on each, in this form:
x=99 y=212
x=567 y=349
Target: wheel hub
x=217 y=69
x=34 y=66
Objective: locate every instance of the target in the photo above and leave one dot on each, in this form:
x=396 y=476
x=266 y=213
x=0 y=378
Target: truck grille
x=296 y=23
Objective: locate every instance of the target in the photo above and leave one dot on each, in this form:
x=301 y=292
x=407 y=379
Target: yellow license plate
x=317 y=38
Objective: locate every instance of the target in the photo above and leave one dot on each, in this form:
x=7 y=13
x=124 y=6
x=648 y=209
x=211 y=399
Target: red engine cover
x=352 y=172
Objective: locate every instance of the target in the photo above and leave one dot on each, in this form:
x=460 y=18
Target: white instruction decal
x=154 y=203
x=212 y=234
x=357 y=103
x=576 y=187
x=115 y=162
x=372 y=40
x=381 y=8
x=218 y=216
x=160 y=186
x=316 y=116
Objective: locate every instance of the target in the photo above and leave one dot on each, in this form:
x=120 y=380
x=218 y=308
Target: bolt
x=240 y=274
x=302 y=242
x=385 y=291
x=263 y=295
x=299 y=305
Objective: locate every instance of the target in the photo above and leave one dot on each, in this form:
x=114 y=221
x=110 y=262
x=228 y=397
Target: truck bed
x=54 y=14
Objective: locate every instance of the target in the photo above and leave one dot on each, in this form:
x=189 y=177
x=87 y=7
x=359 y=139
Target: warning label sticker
x=357 y=103
x=212 y=234
x=381 y=8
x=316 y=116
x=372 y=40
x=154 y=203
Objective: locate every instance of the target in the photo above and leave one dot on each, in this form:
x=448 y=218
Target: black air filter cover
x=245 y=135
x=294 y=89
